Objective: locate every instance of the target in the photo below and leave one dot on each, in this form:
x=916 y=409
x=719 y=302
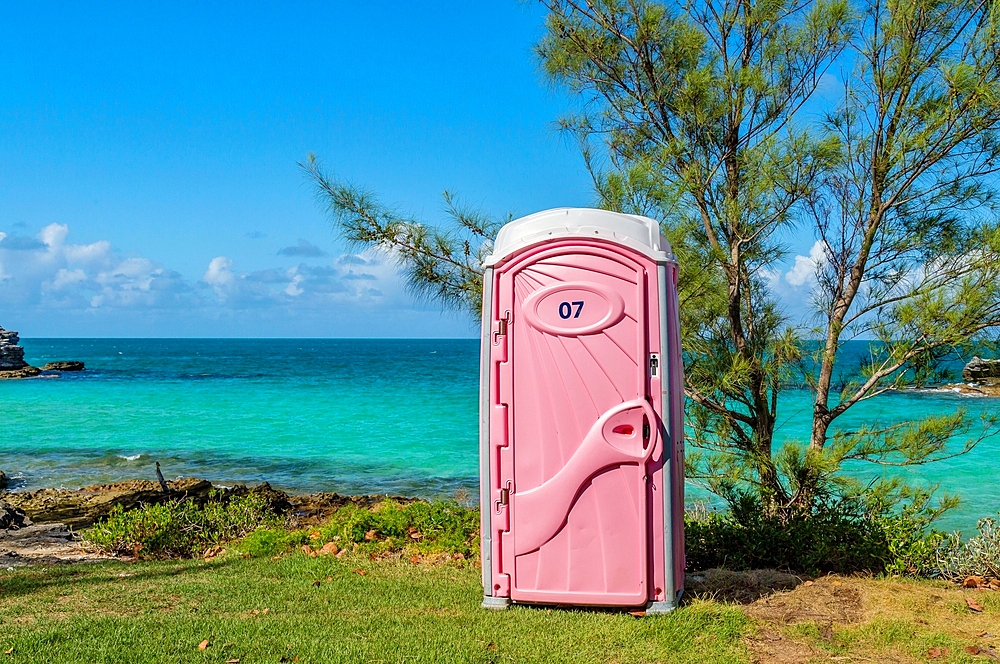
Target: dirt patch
x=825 y=601
x=43 y=544
x=739 y=587
x=875 y=620
x=771 y=647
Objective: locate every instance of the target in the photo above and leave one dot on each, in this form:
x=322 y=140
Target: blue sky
x=148 y=177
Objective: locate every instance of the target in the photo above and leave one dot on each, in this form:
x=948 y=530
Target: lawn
x=351 y=609
x=325 y=609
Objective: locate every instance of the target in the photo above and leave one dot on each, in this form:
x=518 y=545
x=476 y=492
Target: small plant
x=180 y=529
x=977 y=556
x=388 y=527
x=265 y=542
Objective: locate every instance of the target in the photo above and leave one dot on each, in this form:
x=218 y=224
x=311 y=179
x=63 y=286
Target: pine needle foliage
x=691 y=117
x=694 y=115
x=439 y=263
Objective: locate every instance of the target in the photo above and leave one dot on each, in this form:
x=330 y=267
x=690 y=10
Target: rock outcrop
x=83 y=507
x=12 y=518
x=3 y=481
x=980 y=378
x=11 y=354
x=980 y=371
x=27 y=372
x=63 y=366
x=12 y=364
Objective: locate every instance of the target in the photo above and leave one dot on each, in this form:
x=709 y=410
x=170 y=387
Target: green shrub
x=265 y=542
x=842 y=535
x=180 y=529
x=978 y=556
x=388 y=527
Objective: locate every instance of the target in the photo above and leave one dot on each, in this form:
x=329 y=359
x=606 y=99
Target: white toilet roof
x=639 y=233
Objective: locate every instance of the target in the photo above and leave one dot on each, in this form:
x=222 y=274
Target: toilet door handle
x=542 y=511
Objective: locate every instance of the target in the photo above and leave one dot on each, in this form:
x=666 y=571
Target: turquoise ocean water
x=353 y=416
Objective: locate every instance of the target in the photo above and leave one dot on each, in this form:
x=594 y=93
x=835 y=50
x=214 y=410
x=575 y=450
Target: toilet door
x=582 y=427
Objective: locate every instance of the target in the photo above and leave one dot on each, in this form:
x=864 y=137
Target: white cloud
x=804 y=269
x=351 y=279
x=54 y=235
x=66 y=278
x=219 y=276
x=48 y=272
x=90 y=254
x=293 y=286
x=47 y=277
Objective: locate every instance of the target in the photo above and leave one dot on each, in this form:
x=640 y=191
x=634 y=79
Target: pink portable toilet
x=581 y=414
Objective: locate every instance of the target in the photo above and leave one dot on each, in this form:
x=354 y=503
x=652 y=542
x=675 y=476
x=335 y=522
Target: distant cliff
x=11 y=354
x=12 y=364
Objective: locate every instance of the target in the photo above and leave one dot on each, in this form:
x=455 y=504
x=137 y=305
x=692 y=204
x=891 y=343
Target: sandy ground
x=42 y=544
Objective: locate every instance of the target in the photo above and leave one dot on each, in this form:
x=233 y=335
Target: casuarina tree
x=703 y=115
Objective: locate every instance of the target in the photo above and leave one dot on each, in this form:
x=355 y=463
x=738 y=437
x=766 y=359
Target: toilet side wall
x=485 y=481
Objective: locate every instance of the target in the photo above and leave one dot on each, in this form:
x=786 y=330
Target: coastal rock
x=277 y=500
x=980 y=371
x=974 y=389
x=81 y=508
x=12 y=364
x=12 y=518
x=11 y=354
x=64 y=366
x=26 y=372
x=3 y=481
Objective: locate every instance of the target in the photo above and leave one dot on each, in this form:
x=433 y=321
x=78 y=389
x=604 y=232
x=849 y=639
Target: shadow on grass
x=719 y=585
x=32 y=579
x=745 y=587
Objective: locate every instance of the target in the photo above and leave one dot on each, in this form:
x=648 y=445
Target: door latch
x=504 y=498
x=500 y=327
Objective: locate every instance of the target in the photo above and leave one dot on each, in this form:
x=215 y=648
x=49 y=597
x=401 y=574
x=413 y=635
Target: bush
x=180 y=529
x=388 y=527
x=977 y=556
x=842 y=535
x=270 y=541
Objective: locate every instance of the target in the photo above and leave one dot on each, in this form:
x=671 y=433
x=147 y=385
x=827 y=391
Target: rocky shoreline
x=12 y=364
x=39 y=526
x=981 y=378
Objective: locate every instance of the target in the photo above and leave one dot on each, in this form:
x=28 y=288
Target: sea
x=354 y=416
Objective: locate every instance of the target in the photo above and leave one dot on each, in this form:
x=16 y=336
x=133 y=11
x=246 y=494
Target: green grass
x=395 y=612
